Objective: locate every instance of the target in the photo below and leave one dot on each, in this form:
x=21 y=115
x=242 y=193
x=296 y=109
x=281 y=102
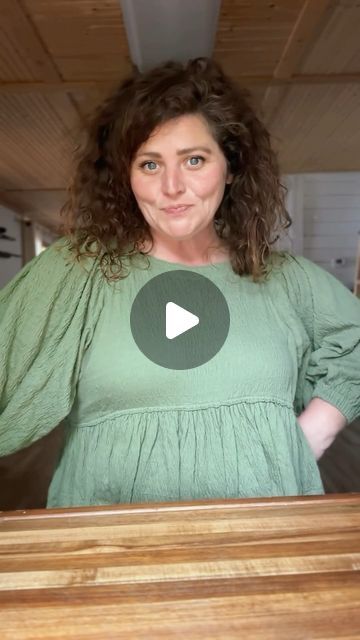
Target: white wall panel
x=10 y=266
x=332 y=221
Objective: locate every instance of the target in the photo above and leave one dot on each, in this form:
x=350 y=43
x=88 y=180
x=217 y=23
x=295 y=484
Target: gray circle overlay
x=196 y=294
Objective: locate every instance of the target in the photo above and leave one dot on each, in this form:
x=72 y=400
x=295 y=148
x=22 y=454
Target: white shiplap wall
x=327 y=207
x=10 y=266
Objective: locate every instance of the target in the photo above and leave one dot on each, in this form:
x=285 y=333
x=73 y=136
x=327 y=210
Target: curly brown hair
x=101 y=207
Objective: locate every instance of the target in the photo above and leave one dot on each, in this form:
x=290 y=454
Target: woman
x=177 y=171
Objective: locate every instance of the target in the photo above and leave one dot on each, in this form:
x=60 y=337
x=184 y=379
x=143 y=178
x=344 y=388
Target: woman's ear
x=229 y=178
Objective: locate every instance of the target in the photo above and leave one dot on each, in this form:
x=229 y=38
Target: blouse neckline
x=181 y=265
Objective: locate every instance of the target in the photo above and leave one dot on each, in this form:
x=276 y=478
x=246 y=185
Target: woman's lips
x=175 y=210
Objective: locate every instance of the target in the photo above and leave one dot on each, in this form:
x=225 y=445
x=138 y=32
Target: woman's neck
x=213 y=254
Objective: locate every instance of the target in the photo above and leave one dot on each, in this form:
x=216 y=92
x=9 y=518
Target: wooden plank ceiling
x=58 y=59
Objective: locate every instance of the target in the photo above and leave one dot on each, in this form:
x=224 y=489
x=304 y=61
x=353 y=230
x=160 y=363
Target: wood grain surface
x=284 y=568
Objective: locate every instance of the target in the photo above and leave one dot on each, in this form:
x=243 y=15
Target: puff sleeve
x=48 y=312
x=331 y=315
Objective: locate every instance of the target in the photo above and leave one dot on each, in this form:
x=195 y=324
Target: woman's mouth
x=178 y=209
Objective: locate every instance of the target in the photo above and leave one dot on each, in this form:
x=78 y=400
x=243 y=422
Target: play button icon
x=179 y=319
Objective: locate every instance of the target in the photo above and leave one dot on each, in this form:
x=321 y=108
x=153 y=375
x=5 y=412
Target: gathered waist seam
x=166 y=409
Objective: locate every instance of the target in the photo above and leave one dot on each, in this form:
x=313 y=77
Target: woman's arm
x=321 y=422
x=48 y=313
x=327 y=397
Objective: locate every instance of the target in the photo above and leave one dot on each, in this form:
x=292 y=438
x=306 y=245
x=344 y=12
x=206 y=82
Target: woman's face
x=180 y=164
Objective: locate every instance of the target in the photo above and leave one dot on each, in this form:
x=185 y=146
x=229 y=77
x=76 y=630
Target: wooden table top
x=283 y=568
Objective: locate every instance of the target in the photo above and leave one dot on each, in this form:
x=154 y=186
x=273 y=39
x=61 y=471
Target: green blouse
x=138 y=432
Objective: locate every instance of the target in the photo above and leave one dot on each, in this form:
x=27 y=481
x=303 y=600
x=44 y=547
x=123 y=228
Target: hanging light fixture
x=162 y=30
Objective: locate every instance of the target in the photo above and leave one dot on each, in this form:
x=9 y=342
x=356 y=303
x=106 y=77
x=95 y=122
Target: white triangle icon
x=178 y=320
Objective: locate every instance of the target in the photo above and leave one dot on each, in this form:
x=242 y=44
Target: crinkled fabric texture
x=137 y=432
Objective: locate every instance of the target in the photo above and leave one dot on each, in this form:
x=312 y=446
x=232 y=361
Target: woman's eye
x=195 y=161
x=149 y=165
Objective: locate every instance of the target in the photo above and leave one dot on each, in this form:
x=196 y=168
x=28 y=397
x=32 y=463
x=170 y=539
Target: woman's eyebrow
x=181 y=152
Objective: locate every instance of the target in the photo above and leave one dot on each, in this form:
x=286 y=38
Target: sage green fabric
x=137 y=432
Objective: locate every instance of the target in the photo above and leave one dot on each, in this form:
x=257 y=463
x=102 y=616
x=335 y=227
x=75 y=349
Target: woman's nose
x=173 y=182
